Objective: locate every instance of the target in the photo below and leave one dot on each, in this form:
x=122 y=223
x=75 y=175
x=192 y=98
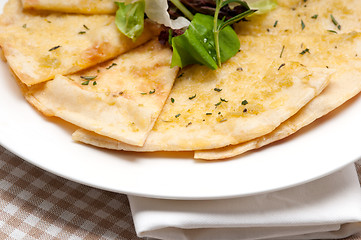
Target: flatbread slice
x=38 y=47
x=340 y=52
x=295 y=17
x=343 y=86
x=120 y=99
x=207 y=109
x=73 y=6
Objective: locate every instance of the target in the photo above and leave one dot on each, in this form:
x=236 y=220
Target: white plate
x=318 y=150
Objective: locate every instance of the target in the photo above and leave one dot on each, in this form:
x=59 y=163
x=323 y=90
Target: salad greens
x=129 y=18
x=206 y=38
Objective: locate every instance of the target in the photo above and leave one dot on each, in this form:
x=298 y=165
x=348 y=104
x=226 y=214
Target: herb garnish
x=113 y=64
x=302 y=24
x=305 y=51
x=88 y=77
x=335 y=22
x=315 y=16
x=190 y=98
x=54 y=48
x=275 y=24
x=172 y=100
x=217 y=89
x=281 y=66
x=283 y=48
x=244 y=102
x=152 y=91
x=177 y=115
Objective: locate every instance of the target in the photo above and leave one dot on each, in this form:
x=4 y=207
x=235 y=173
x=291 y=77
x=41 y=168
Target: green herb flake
x=223 y=100
x=152 y=91
x=85 y=26
x=54 y=48
x=94 y=83
x=217 y=104
x=112 y=65
x=281 y=66
x=302 y=24
x=190 y=98
x=283 y=49
x=81 y=32
x=315 y=16
x=305 y=51
x=85 y=82
x=217 y=89
x=275 y=24
x=334 y=21
x=332 y=31
x=172 y=100
x=88 y=77
x=208 y=113
x=177 y=115
x=244 y=102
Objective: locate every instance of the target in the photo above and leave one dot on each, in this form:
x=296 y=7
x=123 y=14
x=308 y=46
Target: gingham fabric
x=35 y=204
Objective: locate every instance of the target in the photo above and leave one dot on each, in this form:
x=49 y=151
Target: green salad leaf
x=207 y=41
x=129 y=18
x=263 y=6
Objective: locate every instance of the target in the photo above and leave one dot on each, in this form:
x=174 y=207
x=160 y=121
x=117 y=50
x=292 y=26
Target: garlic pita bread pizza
x=120 y=99
x=74 y=6
x=293 y=17
x=337 y=52
x=38 y=47
x=208 y=109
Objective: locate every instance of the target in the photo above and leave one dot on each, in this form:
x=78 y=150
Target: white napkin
x=327 y=208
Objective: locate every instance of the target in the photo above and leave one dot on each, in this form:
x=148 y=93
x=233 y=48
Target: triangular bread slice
x=73 y=6
x=343 y=86
x=340 y=52
x=120 y=99
x=39 y=46
x=207 y=109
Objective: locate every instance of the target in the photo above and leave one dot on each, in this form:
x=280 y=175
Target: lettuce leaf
x=197 y=44
x=129 y=18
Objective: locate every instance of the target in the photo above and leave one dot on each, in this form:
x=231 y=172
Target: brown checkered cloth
x=35 y=204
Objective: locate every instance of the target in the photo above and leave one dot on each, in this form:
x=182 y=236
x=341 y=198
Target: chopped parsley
x=177 y=115
x=315 y=16
x=172 y=100
x=244 y=102
x=152 y=91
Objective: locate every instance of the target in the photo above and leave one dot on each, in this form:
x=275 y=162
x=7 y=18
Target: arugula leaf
x=197 y=44
x=129 y=18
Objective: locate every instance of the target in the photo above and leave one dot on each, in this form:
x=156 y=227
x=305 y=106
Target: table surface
x=35 y=204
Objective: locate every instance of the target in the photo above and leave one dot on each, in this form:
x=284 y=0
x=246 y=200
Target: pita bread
x=338 y=52
x=247 y=106
x=37 y=47
x=294 y=17
x=120 y=99
x=73 y=6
